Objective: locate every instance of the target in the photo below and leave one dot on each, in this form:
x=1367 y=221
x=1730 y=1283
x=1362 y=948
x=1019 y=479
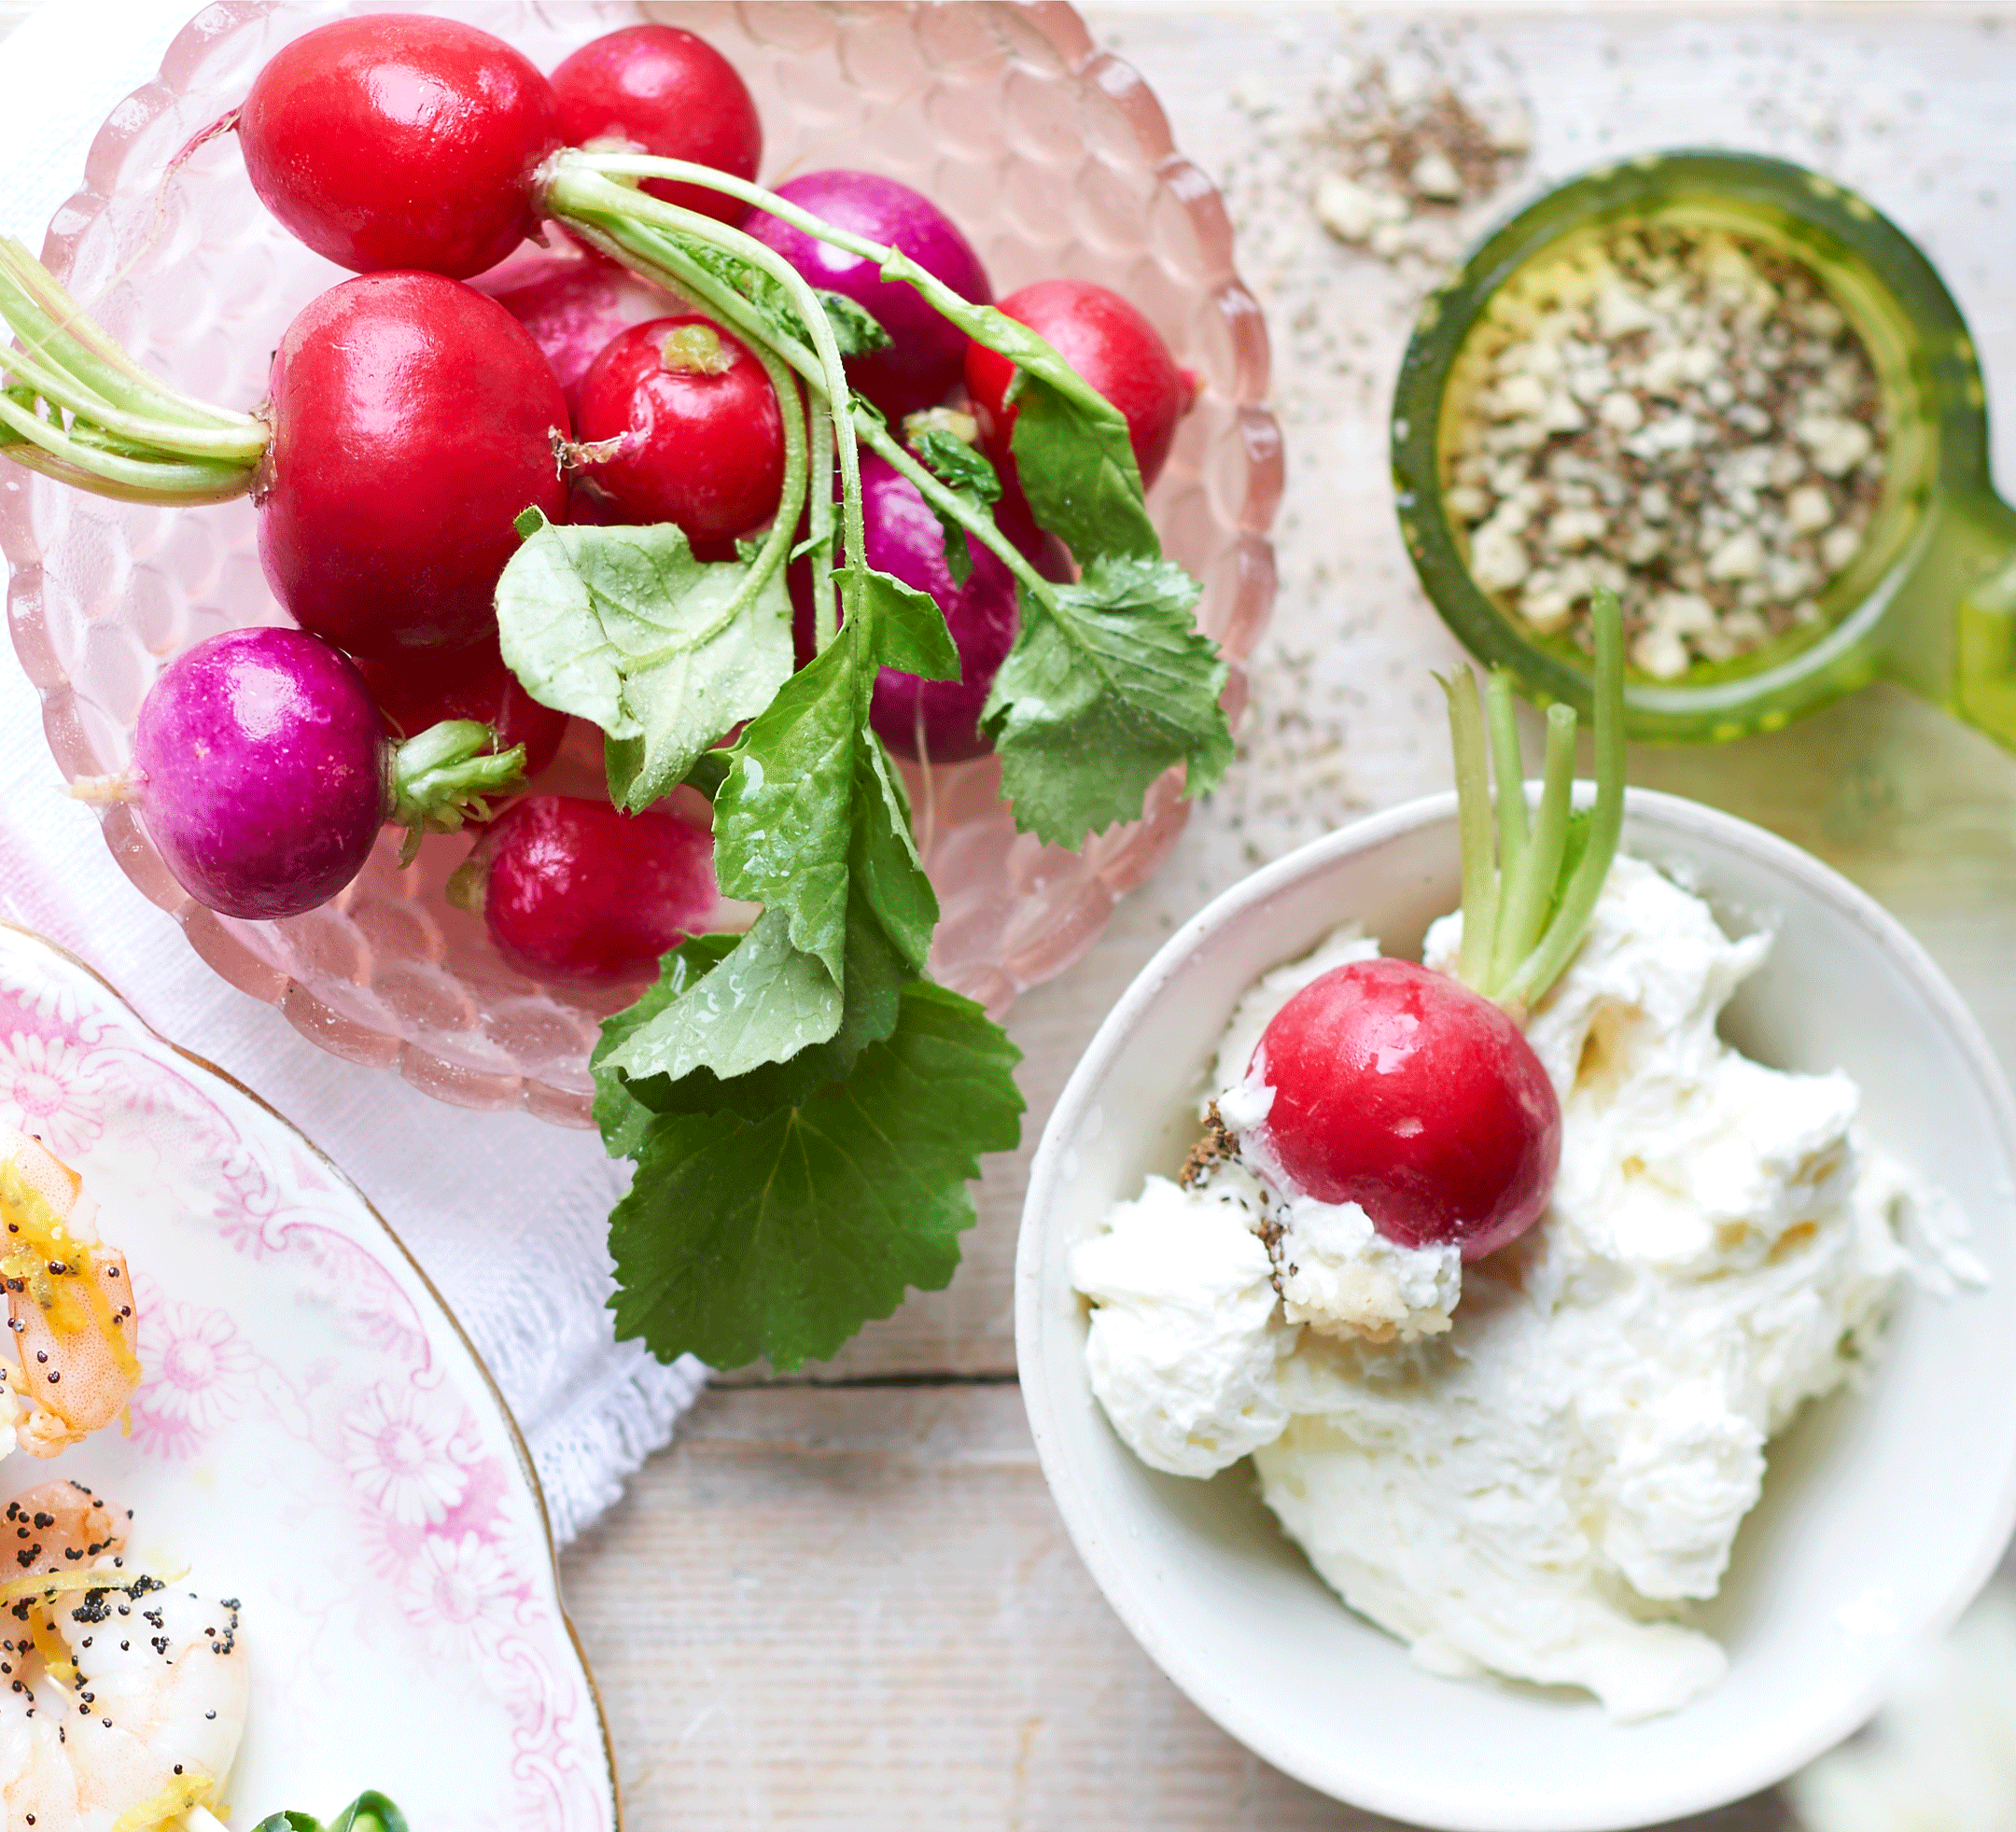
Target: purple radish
x=938 y=720
x=927 y=354
x=262 y=773
x=575 y=893
x=574 y=309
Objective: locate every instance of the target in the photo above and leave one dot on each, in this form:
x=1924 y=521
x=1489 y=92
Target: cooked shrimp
x=56 y=1526
x=125 y=1696
x=70 y=1307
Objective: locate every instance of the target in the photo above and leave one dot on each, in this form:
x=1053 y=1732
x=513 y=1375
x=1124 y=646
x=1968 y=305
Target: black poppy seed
x=44 y=1519
x=178 y=1768
x=125 y=1648
x=41 y=1355
x=54 y=1377
x=209 y=1713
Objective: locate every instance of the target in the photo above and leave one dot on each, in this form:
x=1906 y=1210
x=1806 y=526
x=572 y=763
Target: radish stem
x=438 y=779
x=1474 y=823
x=1526 y=905
x=1506 y=954
x=819 y=518
x=129 y=436
x=1510 y=773
x=1555 y=947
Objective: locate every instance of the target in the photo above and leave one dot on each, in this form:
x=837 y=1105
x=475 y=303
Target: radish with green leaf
x=262 y=772
x=410 y=420
x=1415 y=1093
x=1107 y=343
x=800 y=1096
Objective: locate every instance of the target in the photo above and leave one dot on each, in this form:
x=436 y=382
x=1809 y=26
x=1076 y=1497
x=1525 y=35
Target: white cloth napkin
x=504 y=1213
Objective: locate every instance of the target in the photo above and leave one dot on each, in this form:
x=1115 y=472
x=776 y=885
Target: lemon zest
x=56 y=1660
x=178 y=1796
x=48 y=1585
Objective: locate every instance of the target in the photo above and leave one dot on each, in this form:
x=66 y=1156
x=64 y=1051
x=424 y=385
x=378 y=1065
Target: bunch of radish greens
x=804 y=1106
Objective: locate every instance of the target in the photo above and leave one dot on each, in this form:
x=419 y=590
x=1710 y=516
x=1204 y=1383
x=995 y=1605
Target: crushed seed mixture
x=1400 y=150
x=1686 y=417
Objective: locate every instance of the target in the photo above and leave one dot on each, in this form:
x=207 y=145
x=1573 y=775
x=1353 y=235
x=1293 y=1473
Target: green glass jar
x=1930 y=598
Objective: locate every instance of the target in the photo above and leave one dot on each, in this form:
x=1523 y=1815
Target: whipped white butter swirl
x=1536 y=1480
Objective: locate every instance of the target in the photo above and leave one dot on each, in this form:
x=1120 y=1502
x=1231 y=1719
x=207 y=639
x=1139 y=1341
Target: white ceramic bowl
x=1883 y=1513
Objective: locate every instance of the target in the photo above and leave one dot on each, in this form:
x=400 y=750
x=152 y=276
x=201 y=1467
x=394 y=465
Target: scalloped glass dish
x=1053 y=154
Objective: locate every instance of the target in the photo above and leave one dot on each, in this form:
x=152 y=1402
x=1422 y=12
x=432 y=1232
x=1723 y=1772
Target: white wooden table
x=843 y=1600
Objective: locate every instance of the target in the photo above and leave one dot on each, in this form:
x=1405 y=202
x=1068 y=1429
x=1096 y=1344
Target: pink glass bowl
x=1055 y=157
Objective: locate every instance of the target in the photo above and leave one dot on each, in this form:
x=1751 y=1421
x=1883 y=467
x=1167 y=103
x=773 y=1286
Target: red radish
x=702 y=439
x=575 y=893
x=1107 y=343
x=1415 y=1093
x=469 y=684
x=1401 y=1090
x=397 y=140
x=658 y=90
x=926 y=352
x=573 y=309
x=413 y=421
x=262 y=772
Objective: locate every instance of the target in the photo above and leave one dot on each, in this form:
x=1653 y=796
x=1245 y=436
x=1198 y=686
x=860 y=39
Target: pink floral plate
x=314 y=1435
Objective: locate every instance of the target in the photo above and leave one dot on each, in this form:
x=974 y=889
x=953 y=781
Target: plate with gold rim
x=313 y=1433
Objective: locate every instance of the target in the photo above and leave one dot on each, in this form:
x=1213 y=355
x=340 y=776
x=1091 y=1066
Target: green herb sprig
x=802 y=1106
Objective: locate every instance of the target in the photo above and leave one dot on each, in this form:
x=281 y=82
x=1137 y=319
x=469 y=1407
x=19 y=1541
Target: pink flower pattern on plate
x=51 y=1089
x=463 y=1594
x=197 y=1370
x=401 y=1454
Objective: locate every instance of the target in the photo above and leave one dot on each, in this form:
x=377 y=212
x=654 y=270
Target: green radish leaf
x=968 y=475
x=624 y=627
x=1077 y=469
x=1093 y=704
x=954 y=463
x=909 y=629
x=620 y=1114
x=783 y=816
x=883 y=863
x=764 y=1002
x=782 y=1236
x=877 y=974
x=695 y=1039
x=1070 y=445
x=855 y=328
